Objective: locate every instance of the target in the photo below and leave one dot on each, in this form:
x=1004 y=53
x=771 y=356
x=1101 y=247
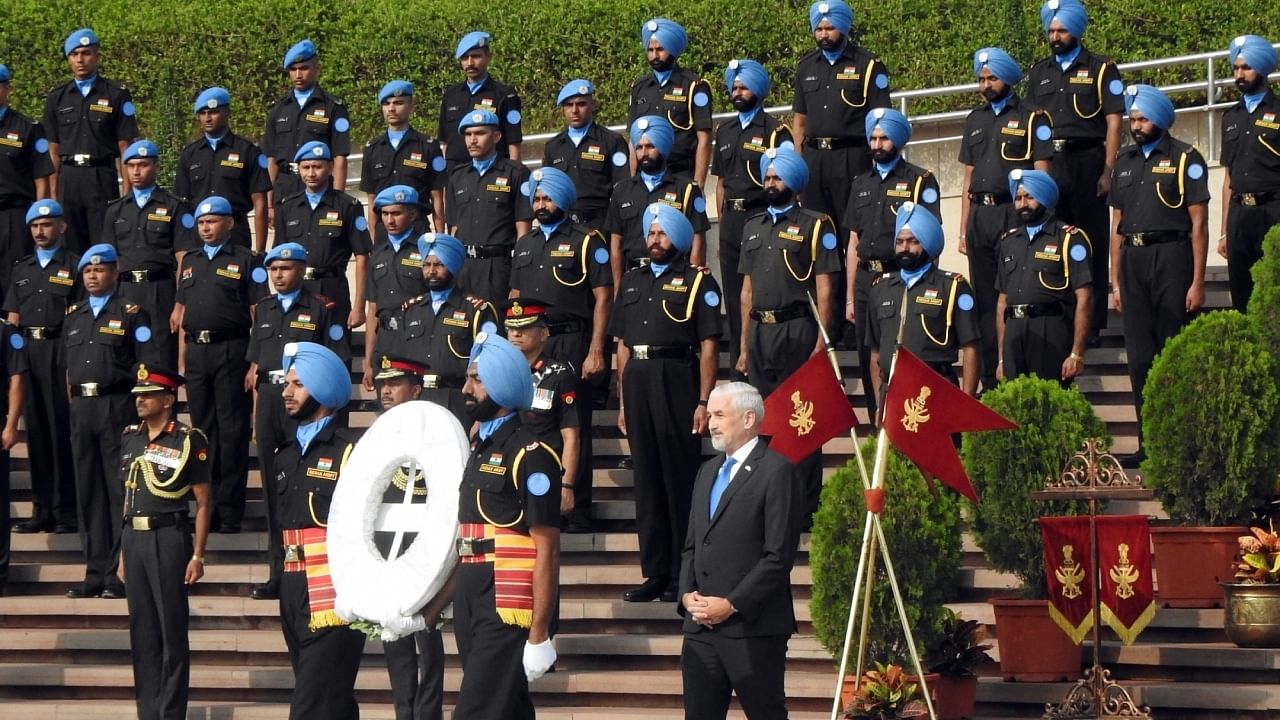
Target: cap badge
x=142 y=372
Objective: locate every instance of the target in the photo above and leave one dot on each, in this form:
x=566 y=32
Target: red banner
x=806 y=410
x=1069 y=574
x=1128 y=596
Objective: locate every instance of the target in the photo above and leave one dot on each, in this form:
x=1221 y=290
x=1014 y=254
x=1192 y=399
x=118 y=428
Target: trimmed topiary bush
x=1264 y=303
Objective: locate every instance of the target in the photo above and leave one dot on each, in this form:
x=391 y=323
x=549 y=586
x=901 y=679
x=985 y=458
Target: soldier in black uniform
x=739 y=144
x=216 y=294
x=592 y=154
x=89 y=122
x=677 y=95
x=486 y=210
x=331 y=225
x=104 y=337
x=1251 y=156
x=403 y=156
x=1081 y=91
x=305 y=114
x=395 y=270
x=292 y=314
x=13 y=366
x=222 y=163
x=652 y=139
x=934 y=308
x=163 y=464
x=324 y=652
x=1160 y=201
x=478 y=91
x=667 y=313
x=1042 y=313
x=1001 y=135
x=509 y=509
x=150 y=229
x=44 y=283
x=25 y=168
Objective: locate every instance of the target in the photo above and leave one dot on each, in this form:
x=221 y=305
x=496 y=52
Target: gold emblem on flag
x=914 y=412
x=1070 y=574
x=802 y=418
x=1124 y=574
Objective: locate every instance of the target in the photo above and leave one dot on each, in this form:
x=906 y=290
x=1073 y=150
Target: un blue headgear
x=100 y=254
x=470 y=41
x=503 y=370
x=999 y=62
x=84 y=37
x=43 y=209
x=751 y=73
x=789 y=166
x=396 y=195
x=673 y=222
x=477 y=118
x=1152 y=103
x=214 y=205
x=302 y=51
x=657 y=129
x=835 y=12
x=144 y=149
x=556 y=184
x=321 y=371
x=1070 y=13
x=671 y=36
x=1038 y=184
x=395 y=88
x=291 y=252
x=5 y=75
x=314 y=150
x=574 y=88
x=1256 y=51
x=895 y=125
x=446 y=247
x=923 y=225
x=212 y=99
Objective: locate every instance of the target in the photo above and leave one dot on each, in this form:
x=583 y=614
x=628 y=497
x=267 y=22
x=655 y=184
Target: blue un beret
x=1038 y=184
x=471 y=41
x=556 y=184
x=503 y=370
x=5 y=75
x=673 y=222
x=1070 y=13
x=923 y=225
x=895 y=125
x=212 y=99
x=999 y=62
x=574 y=88
x=447 y=248
x=302 y=51
x=321 y=371
x=835 y=12
x=84 y=37
x=44 y=209
x=396 y=195
x=100 y=254
x=395 y=88
x=314 y=150
x=751 y=73
x=788 y=165
x=657 y=129
x=477 y=118
x=144 y=149
x=292 y=252
x=214 y=205
x=1256 y=51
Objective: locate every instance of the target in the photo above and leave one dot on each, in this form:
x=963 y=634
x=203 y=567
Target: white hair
x=743 y=397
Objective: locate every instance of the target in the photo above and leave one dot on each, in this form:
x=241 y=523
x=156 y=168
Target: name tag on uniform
x=902 y=190
x=11 y=139
x=232 y=161
x=230 y=271
x=414 y=260
x=1050 y=252
x=676 y=285
x=930 y=297
x=494 y=465
x=303 y=322
x=113 y=327
x=323 y=469
x=331 y=219
x=1081 y=77
x=103 y=105
x=62 y=277
x=318 y=116
x=593 y=153
x=459 y=319
x=563 y=250
x=502 y=185
x=676 y=95
x=792 y=233
x=849 y=72
x=1014 y=127
x=415 y=161
x=673 y=200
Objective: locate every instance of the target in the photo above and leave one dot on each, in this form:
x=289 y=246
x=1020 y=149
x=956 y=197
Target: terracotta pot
x=955 y=697
x=1190 y=561
x=1032 y=647
x=1252 y=616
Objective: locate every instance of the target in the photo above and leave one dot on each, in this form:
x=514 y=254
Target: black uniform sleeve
x=1110 y=82
x=702 y=113
x=198 y=464
x=256 y=166
x=707 y=308
x=878 y=97
x=126 y=122
x=141 y=333
x=509 y=121
x=696 y=210
x=49 y=122
x=357 y=228
x=966 y=317
x=539 y=477
x=1197 y=178
x=827 y=257
x=15 y=356
x=598 y=269
x=523 y=208
x=340 y=137
x=41 y=162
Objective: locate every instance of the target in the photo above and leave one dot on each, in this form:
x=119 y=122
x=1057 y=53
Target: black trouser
x=84 y=193
x=1077 y=173
x=715 y=666
x=338 y=290
x=155 y=563
x=861 y=299
x=573 y=347
x=831 y=174
x=270 y=425
x=4 y=515
x=96 y=424
x=1247 y=225
x=157 y=298
x=1038 y=346
x=15 y=236
x=659 y=399
x=46 y=413
x=731 y=223
x=220 y=407
x=492 y=652
x=1153 y=293
x=325 y=662
x=415 y=665
x=488 y=278
x=987 y=223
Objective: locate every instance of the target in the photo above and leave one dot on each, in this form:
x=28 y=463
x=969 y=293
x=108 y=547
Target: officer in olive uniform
x=163 y=464
x=150 y=228
x=401 y=155
x=652 y=139
x=216 y=294
x=1160 y=201
x=292 y=314
x=1081 y=91
x=739 y=143
x=395 y=270
x=306 y=114
x=13 y=366
x=1001 y=135
x=103 y=337
x=590 y=153
x=89 y=122
x=677 y=95
x=1042 y=313
x=222 y=163
x=478 y=91
x=508 y=510
x=1251 y=155
x=43 y=284
x=667 y=313
x=324 y=652
x=931 y=309
x=25 y=168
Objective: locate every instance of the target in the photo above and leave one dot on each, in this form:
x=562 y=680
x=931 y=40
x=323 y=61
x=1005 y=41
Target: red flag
x=1069 y=574
x=1124 y=553
x=921 y=412
x=806 y=410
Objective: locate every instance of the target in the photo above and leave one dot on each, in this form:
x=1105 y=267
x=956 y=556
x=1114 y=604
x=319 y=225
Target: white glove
x=398 y=626
x=538 y=659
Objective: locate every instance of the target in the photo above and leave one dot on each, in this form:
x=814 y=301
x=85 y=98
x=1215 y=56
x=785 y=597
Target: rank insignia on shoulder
x=132 y=428
x=72 y=308
x=326 y=301
x=130 y=308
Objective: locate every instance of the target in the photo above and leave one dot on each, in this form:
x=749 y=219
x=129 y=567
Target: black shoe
x=84 y=590
x=65 y=528
x=266 y=591
x=1133 y=461
x=651 y=590
x=34 y=525
x=113 y=592
x=625 y=463
x=577 y=527
x=669 y=595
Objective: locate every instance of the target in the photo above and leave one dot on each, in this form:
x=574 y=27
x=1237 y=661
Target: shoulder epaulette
x=557 y=367
x=130 y=309
x=411 y=302
x=325 y=301
x=72 y=308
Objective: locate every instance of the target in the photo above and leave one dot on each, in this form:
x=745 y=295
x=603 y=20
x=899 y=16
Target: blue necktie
x=721 y=484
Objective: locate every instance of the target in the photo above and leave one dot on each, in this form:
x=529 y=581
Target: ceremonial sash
x=315 y=562
x=513 y=558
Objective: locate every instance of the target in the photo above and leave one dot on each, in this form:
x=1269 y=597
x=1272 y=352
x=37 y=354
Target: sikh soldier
x=305 y=114
x=25 y=168
x=677 y=95
x=594 y=156
x=13 y=366
x=1160 y=201
x=89 y=122
x=478 y=91
x=324 y=652
x=164 y=464
x=667 y=313
x=401 y=155
x=1042 y=313
x=739 y=144
x=1001 y=135
x=222 y=163
x=395 y=270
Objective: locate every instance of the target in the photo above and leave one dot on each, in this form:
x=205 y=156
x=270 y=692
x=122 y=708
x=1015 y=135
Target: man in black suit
x=735 y=575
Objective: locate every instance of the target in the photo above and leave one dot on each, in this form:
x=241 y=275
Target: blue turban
x=1152 y=103
x=84 y=37
x=789 y=166
x=1004 y=67
x=477 y=118
x=212 y=99
x=503 y=370
x=314 y=150
x=751 y=73
x=100 y=254
x=447 y=248
x=556 y=184
x=670 y=35
x=1256 y=51
x=302 y=51
x=144 y=149
x=574 y=88
x=657 y=129
x=1070 y=13
x=1038 y=184
x=673 y=222
x=396 y=195
x=292 y=252
x=5 y=74
x=923 y=225
x=44 y=209
x=395 y=88
x=471 y=41
x=835 y=12
x=321 y=371
x=895 y=125
x=214 y=205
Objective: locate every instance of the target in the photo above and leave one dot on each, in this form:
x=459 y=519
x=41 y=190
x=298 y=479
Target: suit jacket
x=745 y=552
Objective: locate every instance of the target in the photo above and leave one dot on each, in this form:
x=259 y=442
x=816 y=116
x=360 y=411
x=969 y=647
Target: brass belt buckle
x=82 y=159
x=35 y=333
x=309 y=273
x=1248 y=199
x=466 y=547
x=89 y=389
x=737 y=204
x=989 y=199
x=138 y=522
x=276 y=377
x=640 y=352
x=825 y=143
x=138 y=275
x=767 y=317
x=431 y=382
x=292 y=167
x=202 y=336
x=1059 y=145
x=1138 y=239
x=473 y=251
x=293 y=553
x=876 y=266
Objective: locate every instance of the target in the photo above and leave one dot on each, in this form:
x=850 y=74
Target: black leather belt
x=1144 y=239
x=315 y=273
x=140 y=276
x=1032 y=310
x=878 y=266
x=661 y=352
x=468 y=547
x=987 y=198
x=86 y=160
x=1252 y=199
x=155 y=522
x=208 y=337
x=481 y=252
x=12 y=202
x=836 y=143
x=780 y=315
x=93 y=389
x=743 y=204
x=41 y=333
x=635 y=263
x=1072 y=144
x=566 y=327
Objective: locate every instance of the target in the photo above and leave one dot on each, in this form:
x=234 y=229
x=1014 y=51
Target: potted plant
x=1006 y=468
x=1252 y=616
x=887 y=693
x=955 y=657
x=1211 y=431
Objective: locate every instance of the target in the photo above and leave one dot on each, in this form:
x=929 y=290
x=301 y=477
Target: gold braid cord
x=143 y=467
